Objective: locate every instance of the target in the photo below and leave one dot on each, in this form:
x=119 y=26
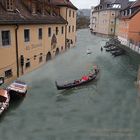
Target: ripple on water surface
x=106 y=109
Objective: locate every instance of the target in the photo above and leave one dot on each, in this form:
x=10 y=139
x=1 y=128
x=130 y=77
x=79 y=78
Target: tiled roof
x=129 y=4
x=123 y=3
x=132 y=5
x=136 y=4
x=66 y=3
x=107 y=1
x=23 y=16
x=130 y=16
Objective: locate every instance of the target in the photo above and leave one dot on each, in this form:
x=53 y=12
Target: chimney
x=33 y=7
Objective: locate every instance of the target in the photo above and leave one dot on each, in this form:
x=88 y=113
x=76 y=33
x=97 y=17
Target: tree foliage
x=82 y=21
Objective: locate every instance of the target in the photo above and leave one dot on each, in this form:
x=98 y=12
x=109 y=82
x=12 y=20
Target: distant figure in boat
x=84 y=78
x=95 y=69
x=90 y=75
x=101 y=49
x=89 y=51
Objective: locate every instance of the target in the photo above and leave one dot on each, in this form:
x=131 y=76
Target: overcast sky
x=84 y=4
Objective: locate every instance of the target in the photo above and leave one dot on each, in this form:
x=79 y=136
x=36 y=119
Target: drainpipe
x=115 y=26
x=66 y=29
x=17 y=60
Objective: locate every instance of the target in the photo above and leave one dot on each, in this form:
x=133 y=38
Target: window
x=40 y=33
x=72 y=28
x=69 y=28
x=69 y=13
x=71 y=41
x=101 y=7
x=8 y=73
x=40 y=59
x=10 y=5
x=6 y=38
x=108 y=6
x=56 y=30
x=62 y=30
x=49 y=32
x=117 y=6
x=26 y=35
x=73 y=14
x=27 y=65
x=35 y=57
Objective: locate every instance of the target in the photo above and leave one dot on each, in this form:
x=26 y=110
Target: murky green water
x=108 y=109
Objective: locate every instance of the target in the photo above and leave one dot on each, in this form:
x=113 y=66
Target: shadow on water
x=15 y=103
x=12 y=106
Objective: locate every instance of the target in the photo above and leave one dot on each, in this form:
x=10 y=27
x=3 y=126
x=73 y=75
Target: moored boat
x=17 y=89
x=4 y=100
x=89 y=51
x=112 y=49
x=79 y=82
x=118 y=53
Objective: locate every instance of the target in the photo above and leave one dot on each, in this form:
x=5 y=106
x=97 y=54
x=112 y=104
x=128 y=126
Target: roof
x=123 y=3
x=136 y=4
x=132 y=5
x=129 y=4
x=66 y=3
x=106 y=1
x=22 y=15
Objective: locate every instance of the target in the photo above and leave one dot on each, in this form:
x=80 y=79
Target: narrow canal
x=108 y=109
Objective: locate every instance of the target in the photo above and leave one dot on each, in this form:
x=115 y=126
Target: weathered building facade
x=32 y=32
x=103 y=16
x=129 y=29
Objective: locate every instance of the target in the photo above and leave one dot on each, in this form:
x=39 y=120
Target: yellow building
x=103 y=16
x=33 y=32
x=69 y=14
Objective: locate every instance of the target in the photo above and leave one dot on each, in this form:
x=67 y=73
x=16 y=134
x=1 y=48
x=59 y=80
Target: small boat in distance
x=89 y=51
x=17 y=89
x=118 y=53
x=85 y=79
x=4 y=100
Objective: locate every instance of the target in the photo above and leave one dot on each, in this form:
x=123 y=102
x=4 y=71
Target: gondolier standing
x=95 y=68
